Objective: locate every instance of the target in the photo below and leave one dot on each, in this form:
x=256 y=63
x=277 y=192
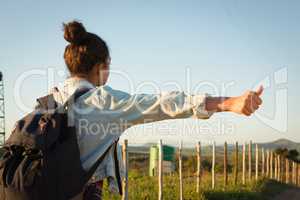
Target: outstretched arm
x=113 y=105
x=246 y=104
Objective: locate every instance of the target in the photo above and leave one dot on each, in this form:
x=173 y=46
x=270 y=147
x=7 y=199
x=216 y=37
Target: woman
x=103 y=113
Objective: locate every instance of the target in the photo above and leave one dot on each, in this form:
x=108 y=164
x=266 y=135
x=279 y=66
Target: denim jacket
x=103 y=114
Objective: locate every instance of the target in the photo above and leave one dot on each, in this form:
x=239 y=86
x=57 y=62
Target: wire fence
x=257 y=163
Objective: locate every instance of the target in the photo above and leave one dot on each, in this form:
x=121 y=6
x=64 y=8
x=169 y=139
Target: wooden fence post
x=276 y=167
x=250 y=161
x=287 y=171
x=271 y=164
x=256 y=162
x=125 y=161
x=293 y=172
x=244 y=164
x=295 y=168
x=160 y=171
x=279 y=169
x=236 y=163
x=180 y=171
x=298 y=178
x=198 y=166
x=296 y=174
x=295 y=182
x=263 y=160
x=225 y=165
x=213 y=180
x=268 y=164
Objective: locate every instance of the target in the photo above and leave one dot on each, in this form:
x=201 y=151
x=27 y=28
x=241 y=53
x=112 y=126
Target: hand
x=246 y=104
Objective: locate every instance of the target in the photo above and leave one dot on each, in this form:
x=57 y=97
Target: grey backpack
x=41 y=158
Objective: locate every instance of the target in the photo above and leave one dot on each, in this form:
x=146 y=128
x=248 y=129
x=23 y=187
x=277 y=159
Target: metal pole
x=2 y=111
x=160 y=171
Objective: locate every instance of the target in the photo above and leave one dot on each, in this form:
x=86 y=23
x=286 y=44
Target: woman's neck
x=90 y=79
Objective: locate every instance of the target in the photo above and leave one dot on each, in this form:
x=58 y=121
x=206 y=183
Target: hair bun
x=74 y=32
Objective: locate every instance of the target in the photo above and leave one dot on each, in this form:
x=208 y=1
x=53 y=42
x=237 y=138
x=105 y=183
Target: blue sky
x=243 y=41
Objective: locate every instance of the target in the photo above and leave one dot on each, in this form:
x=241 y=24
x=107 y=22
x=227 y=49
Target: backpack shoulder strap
x=47 y=102
x=79 y=92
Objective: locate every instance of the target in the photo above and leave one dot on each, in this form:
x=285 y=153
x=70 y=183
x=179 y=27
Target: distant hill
x=281 y=143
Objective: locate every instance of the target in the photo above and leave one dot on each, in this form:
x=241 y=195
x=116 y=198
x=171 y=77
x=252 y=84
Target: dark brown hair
x=85 y=49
